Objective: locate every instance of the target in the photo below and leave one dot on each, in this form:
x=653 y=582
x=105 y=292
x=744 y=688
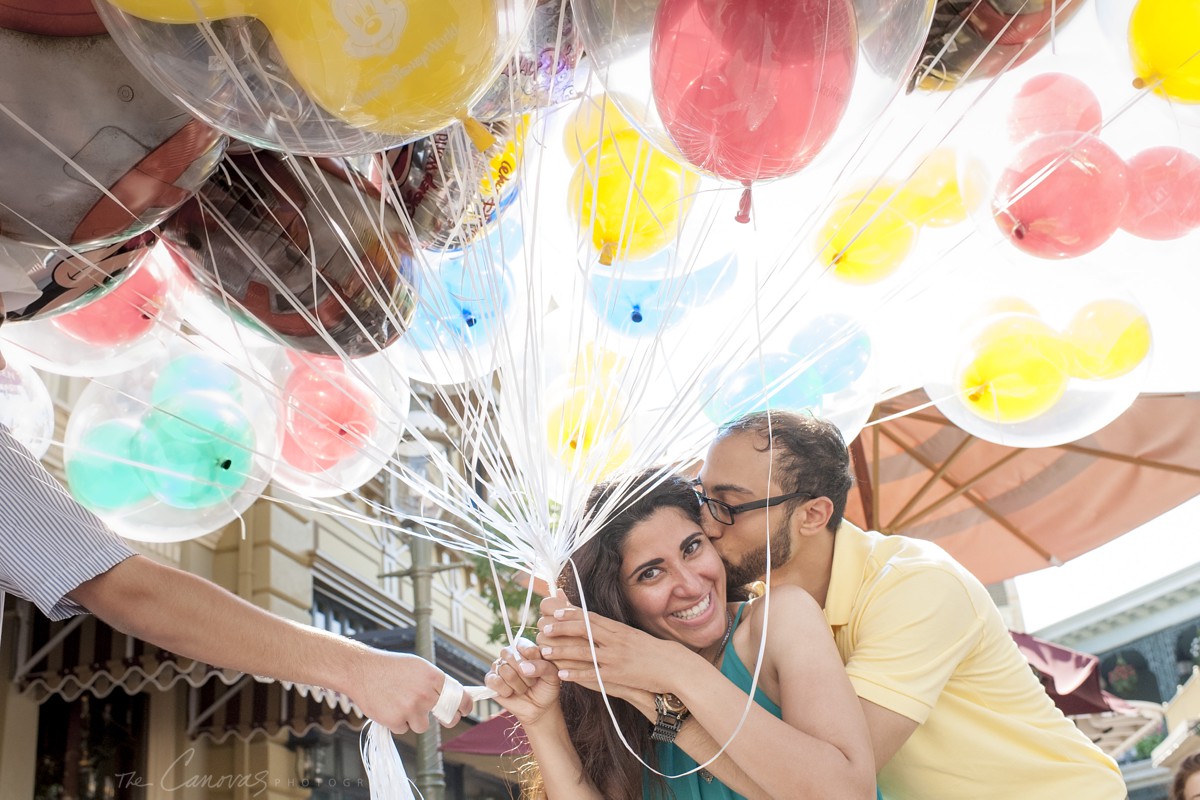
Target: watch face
x=672 y=703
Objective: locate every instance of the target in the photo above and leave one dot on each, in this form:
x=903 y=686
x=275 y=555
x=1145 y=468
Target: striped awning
x=67 y=658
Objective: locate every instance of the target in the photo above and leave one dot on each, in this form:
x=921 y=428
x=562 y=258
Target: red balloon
x=328 y=416
x=1061 y=196
x=1164 y=194
x=751 y=89
x=126 y=313
x=1050 y=103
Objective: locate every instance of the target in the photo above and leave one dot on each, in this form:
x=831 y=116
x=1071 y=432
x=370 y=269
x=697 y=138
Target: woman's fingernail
x=562 y=612
x=526 y=667
x=548 y=629
x=564 y=674
x=546 y=651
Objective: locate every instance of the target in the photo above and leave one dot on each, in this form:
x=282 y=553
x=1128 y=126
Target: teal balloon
x=98 y=473
x=769 y=383
x=195 y=373
x=841 y=347
x=198 y=448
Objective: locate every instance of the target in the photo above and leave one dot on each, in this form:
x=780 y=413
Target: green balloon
x=198 y=448
x=195 y=373
x=97 y=474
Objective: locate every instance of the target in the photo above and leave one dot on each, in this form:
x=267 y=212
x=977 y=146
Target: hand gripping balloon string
x=452 y=693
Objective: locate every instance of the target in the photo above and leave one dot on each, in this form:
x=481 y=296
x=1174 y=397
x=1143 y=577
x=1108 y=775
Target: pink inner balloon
x=751 y=89
x=126 y=313
x=1164 y=194
x=328 y=417
x=1050 y=103
x=1062 y=196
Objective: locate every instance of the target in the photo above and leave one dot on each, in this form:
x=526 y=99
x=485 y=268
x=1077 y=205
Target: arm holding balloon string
x=66 y=561
x=819 y=748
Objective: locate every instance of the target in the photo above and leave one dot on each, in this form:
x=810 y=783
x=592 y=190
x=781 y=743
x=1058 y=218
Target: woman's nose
x=690 y=582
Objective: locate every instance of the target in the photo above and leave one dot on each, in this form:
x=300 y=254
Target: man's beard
x=753 y=565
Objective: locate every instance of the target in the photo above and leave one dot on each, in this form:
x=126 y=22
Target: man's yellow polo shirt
x=920 y=636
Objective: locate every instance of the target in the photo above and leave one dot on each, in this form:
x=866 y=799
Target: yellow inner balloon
x=1107 y=339
x=594 y=118
x=866 y=236
x=583 y=433
x=631 y=196
x=937 y=195
x=1164 y=39
x=387 y=66
x=1016 y=370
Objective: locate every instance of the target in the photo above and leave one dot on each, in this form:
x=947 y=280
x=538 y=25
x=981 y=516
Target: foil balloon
x=542 y=72
x=93 y=153
x=296 y=254
x=63 y=280
x=451 y=189
x=321 y=77
x=980 y=39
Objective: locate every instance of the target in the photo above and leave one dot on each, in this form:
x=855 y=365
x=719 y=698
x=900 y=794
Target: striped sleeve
x=49 y=544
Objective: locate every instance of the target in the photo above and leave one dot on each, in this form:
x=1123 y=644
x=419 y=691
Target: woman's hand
x=630 y=660
x=526 y=684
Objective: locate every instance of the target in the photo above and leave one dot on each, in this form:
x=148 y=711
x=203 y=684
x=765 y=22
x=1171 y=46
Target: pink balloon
x=328 y=416
x=124 y=314
x=1050 y=103
x=1164 y=194
x=1061 y=196
x=751 y=89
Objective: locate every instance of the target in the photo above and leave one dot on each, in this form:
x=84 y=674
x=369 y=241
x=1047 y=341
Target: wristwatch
x=671 y=714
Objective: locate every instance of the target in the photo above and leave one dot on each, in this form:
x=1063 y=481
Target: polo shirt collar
x=852 y=547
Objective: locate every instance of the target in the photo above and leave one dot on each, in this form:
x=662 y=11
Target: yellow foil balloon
x=583 y=433
x=1016 y=370
x=937 y=194
x=387 y=66
x=1164 y=39
x=866 y=237
x=1107 y=339
x=631 y=196
x=594 y=118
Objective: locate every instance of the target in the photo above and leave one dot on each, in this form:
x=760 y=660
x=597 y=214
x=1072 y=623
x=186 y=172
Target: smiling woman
x=656 y=589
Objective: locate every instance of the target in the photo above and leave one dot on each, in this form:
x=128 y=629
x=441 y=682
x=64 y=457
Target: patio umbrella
x=1004 y=511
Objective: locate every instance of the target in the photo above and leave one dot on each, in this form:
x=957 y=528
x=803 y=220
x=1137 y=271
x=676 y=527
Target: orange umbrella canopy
x=1003 y=511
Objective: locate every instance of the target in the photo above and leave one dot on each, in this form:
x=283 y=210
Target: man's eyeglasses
x=724 y=513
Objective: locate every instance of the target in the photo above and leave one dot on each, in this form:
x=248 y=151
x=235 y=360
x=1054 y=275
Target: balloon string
x=743 y=215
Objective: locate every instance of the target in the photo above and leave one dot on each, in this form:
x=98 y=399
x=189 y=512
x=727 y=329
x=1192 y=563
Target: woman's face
x=674 y=580
x=1191 y=789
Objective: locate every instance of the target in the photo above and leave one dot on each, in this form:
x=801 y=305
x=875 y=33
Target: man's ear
x=813 y=515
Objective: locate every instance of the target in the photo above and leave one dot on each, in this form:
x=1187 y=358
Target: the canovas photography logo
x=184 y=773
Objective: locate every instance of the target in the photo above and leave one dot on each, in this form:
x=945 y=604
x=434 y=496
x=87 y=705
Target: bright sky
x=1157 y=549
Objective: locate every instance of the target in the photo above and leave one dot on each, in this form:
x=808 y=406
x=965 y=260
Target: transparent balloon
x=320 y=78
x=175 y=449
x=26 y=408
x=341 y=421
x=114 y=332
x=93 y=152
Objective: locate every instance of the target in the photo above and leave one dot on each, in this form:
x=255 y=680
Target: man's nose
x=712 y=529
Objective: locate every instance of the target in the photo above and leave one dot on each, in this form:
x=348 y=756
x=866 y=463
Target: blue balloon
x=635 y=303
x=771 y=383
x=841 y=347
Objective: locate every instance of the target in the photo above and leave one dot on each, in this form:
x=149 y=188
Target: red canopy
x=499 y=736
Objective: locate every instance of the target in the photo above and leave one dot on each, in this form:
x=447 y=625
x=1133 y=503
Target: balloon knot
x=743 y=214
x=226 y=464
x=607 y=252
x=636 y=315
x=481 y=137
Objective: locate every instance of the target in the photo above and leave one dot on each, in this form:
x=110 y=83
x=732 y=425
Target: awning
x=499 y=736
x=1004 y=511
x=65 y=659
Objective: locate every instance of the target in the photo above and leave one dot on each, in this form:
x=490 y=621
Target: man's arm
x=889 y=731
x=195 y=618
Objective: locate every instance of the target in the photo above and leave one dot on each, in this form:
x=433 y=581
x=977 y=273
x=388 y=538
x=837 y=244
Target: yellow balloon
x=866 y=237
x=1016 y=370
x=584 y=433
x=387 y=66
x=631 y=196
x=594 y=117
x=1107 y=339
x=937 y=195
x=1164 y=39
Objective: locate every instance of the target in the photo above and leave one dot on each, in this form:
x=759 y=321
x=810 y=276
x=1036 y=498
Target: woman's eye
x=691 y=547
x=649 y=573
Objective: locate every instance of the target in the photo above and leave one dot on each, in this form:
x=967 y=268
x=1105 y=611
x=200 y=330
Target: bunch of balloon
x=301 y=251
x=175 y=449
x=94 y=154
x=26 y=408
x=341 y=421
x=471 y=302
x=733 y=96
x=824 y=365
x=1052 y=355
x=325 y=77
x=114 y=332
